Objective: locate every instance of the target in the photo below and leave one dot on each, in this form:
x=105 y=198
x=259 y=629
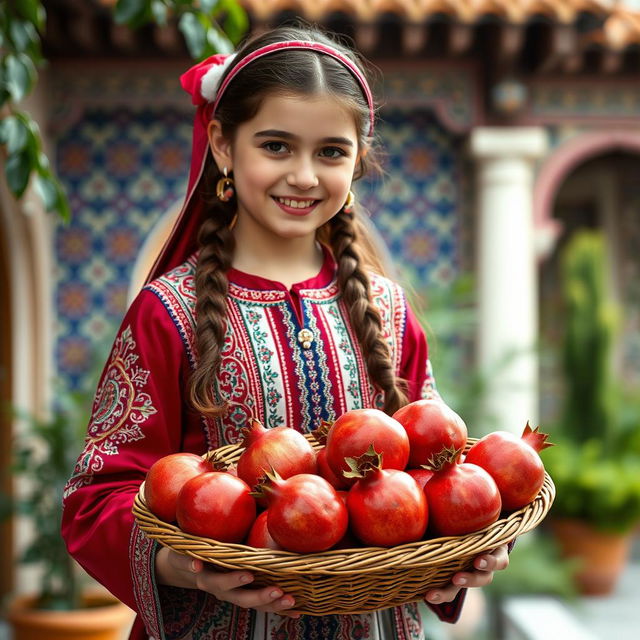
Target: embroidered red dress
x=140 y=414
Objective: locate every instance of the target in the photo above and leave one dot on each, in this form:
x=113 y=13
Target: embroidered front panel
x=390 y=302
x=120 y=407
x=177 y=291
x=141 y=556
x=261 y=358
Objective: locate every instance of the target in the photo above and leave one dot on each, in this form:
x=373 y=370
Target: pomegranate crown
x=535 y=438
x=266 y=483
x=446 y=457
x=320 y=433
x=361 y=466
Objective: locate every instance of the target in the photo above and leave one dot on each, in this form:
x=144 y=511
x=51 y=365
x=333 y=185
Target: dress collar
x=321 y=280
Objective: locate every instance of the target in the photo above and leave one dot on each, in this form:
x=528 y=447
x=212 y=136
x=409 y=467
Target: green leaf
x=20 y=35
x=33 y=11
x=17 y=171
x=14 y=134
x=236 y=22
x=218 y=41
x=62 y=207
x=131 y=12
x=159 y=11
x=20 y=75
x=207 y=6
x=194 y=34
x=47 y=190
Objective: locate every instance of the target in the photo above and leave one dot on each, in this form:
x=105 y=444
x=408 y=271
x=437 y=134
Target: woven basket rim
x=426 y=553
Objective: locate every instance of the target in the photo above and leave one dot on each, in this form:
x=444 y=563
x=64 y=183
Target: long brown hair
x=289 y=72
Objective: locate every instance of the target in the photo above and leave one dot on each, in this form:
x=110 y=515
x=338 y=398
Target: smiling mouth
x=295 y=204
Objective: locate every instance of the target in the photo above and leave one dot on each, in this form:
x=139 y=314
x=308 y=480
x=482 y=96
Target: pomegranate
x=259 y=536
x=216 y=505
x=513 y=463
x=280 y=448
x=305 y=514
x=352 y=433
x=166 y=477
x=386 y=506
x=431 y=425
x=462 y=497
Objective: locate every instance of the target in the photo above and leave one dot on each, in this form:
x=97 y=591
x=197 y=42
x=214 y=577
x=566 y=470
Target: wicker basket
x=352 y=580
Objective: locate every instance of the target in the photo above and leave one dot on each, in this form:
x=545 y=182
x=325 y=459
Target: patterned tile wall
x=124 y=167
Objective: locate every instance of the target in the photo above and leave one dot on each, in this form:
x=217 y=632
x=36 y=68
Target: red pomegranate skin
x=216 y=505
x=306 y=514
x=166 y=477
x=462 y=498
x=280 y=448
x=515 y=466
x=259 y=536
x=421 y=476
x=387 y=508
x=431 y=426
x=356 y=430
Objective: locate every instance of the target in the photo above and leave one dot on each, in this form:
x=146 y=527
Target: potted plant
x=595 y=470
x=63 y=607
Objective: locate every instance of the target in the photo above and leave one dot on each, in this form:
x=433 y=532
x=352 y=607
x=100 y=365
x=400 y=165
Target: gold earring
x=350 y=202
x=225 y=189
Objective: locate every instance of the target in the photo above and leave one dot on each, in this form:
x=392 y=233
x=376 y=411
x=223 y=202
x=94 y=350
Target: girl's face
x=292 y=163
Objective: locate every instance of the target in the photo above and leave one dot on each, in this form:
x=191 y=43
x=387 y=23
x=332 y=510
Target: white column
x=507 y=272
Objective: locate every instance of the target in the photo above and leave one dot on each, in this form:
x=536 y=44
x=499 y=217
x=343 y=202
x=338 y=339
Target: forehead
x=305 y=116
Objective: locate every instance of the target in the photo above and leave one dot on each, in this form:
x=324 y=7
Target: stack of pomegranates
x=376 y=480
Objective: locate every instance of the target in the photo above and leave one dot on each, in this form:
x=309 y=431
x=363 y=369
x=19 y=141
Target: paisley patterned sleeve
x=137 y=417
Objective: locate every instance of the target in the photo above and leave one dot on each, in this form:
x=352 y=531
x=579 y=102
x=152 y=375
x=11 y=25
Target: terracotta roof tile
x=620 y=26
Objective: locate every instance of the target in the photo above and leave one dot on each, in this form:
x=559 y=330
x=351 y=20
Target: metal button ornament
x=305 y=338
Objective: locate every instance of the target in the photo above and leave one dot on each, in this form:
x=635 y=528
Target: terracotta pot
x=602 y=556
x=104 y=618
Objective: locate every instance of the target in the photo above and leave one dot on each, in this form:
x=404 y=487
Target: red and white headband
x=203 y=80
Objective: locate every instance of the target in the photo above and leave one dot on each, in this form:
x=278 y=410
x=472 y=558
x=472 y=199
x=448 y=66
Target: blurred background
x=509 y=208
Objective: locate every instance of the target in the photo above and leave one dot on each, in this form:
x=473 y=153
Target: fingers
x=442 y=594
x=484 y=566
x=230 y=587
x=175 y=569
x=497 y=560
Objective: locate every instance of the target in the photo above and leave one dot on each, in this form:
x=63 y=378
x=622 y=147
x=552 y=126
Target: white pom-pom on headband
x=211 y=79
x=212 y=91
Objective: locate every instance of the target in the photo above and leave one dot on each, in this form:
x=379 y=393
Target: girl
x=266 y=301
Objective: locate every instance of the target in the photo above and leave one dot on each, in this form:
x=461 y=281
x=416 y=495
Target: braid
x=365 y=318
x=216 y=251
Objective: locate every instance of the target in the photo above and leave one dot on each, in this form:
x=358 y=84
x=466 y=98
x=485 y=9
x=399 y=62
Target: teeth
x=296 y=204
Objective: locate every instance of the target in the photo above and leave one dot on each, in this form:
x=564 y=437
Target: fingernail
x=461 y=581
x=193 y=566
x=245 y=579
x=275 y=593
x=287 y=602
x=482 y=564
x=434 y=598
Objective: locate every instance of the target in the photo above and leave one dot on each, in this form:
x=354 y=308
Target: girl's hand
x=178 y=570
x=485 y=565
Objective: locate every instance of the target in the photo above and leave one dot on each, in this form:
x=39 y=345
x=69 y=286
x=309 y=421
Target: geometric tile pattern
x=416 y=206
x=122 y=169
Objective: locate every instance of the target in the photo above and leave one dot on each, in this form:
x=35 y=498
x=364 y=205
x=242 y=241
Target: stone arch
x=555 y=169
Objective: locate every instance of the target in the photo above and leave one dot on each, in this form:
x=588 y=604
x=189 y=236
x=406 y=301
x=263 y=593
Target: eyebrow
x=277 y=133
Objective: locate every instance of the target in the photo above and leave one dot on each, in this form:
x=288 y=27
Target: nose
x=303 y=175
